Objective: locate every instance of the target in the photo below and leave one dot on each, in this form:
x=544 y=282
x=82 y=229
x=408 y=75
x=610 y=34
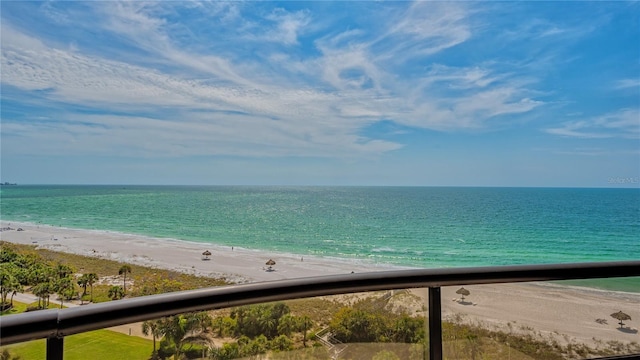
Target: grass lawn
x=19 y=307
x=94 y=345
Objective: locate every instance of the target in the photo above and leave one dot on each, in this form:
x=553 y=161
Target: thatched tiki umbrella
x=464 y=292
x=620 y=316
x=270 y=263
x=206 y=254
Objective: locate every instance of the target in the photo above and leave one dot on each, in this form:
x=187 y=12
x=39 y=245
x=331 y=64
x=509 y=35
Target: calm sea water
x=408 y=226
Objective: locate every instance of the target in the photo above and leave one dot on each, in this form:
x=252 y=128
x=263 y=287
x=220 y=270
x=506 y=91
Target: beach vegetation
x=385 y=355
x=116 y=292
x=9 y=284
x=263 y=319
x=157 y=283
x=318 y=310
x=124 y=270
x=370 y=320
x=87 y=280
x=5 y=354
x=155 y=329
x=65 y=288
x=282 y=343
x=180 y=330
x=63 y=270
x=32 y=266
x=43 y=291
x=460 y=340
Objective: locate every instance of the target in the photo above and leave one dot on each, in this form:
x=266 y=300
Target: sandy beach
x=567 y=314
x=236 y=264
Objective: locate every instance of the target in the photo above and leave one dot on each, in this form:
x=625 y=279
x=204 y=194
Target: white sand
x=566 y=314
x=558 y=312
x=238 y=264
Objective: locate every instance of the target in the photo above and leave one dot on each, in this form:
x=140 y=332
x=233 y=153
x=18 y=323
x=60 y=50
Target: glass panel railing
x=385 y=325
x=370 y=325
x=539 y=320
x=542 y=320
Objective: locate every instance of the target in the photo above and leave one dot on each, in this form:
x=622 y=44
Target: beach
x=566 y=314
x=235 y=263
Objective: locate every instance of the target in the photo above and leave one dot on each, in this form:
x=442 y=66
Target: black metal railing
x=54 y=325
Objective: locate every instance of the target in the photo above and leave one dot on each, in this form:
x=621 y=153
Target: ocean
x=427 y=227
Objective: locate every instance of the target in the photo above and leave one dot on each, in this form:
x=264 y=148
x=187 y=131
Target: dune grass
x=148 y=280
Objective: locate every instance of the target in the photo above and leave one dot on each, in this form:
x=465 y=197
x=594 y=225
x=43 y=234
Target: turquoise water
x=408 y=226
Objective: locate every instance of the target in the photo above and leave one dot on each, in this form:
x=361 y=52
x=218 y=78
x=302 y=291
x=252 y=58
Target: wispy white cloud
x=591 y=151
x=624 y=123
x=287 y=26
x=628 y=84
x=429 y=27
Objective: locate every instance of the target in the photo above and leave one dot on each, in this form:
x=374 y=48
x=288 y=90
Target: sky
x=321 y=93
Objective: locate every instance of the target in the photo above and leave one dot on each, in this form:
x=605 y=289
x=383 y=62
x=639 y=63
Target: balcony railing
x=54 y=325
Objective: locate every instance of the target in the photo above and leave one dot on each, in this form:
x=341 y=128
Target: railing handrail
x=64 y=322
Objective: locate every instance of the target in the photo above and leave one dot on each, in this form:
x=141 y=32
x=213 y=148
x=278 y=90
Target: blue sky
x=321 y=93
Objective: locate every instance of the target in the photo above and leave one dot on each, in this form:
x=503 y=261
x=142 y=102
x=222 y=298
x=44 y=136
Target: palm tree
x=83 y=281
x=116 y=292
x=91 y=279
x=184 y=328
x=286 y=324
x=17 y=287
x=9 y=285
x=124 y=270
x=6 y=281
x=38 y=273
x=63 y=270
x=153 y=327
x=64 y=287
x=305 y=324
x=42 y=291
x=269 y=324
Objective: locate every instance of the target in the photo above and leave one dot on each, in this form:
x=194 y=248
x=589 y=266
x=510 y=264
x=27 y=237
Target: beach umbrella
x=620 y=316
x=206 y=254
x=464 y=292
x=270 y=262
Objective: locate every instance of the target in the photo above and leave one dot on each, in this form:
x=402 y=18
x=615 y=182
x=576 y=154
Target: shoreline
x=566 y=313
x=234 y=263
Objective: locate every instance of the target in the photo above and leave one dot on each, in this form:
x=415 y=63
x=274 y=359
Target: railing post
x=435 y=324
x=55 y=348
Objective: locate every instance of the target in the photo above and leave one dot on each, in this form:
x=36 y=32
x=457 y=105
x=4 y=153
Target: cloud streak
x=620 y=124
